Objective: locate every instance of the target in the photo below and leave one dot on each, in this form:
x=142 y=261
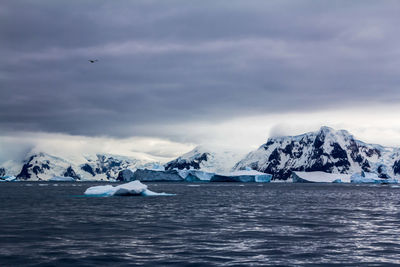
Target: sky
x=175 y=74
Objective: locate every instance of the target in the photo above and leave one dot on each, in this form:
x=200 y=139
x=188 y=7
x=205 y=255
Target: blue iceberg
x=243 y=176
x=370 y=178
x=8 y=179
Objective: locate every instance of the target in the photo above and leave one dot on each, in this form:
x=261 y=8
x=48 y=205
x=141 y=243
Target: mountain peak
x=326 y=129
x=327 y=150
x=329 y=130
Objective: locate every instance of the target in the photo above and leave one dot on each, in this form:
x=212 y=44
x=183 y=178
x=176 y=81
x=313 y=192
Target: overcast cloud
x=173 y=64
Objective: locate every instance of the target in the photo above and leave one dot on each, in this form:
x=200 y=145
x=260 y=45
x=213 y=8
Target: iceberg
x=135 y=188
x=319 y=177
x=370 y=178
x=145 y=175
x=243 y=176
x=61 y=179
x=100 y=190
x=193 y=175
x=8 y=179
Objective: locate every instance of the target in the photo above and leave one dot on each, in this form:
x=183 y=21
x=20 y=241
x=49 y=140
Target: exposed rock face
x=396 y=167
x=326 y=150
x=42 y=167
x=108 y=166
x=126 y=175
x=2 y=172
x=191 y=160
x=87 y=168
x=71 y=173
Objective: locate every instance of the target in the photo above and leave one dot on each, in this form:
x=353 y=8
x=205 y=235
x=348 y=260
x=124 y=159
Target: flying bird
x=93 y=60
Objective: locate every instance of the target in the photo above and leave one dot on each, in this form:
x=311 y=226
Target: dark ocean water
x=52 y=224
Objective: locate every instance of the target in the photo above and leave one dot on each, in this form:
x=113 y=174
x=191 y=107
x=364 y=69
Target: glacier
x=319 y=177
x=145 y=175
x=356 y=178
x=371 y=178
x=205 y=159
x=243 y=176
x=61 y=179
x=134 y=188
x=193 y=175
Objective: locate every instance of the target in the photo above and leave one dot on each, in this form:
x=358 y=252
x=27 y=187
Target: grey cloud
x=163 y=62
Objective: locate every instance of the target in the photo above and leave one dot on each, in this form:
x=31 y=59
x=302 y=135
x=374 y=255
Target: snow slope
x=202 y=158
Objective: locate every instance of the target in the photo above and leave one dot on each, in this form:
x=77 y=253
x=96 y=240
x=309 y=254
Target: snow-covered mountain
x=109 y=166
x=42 y=166
x=206 y=160
x=325 y=150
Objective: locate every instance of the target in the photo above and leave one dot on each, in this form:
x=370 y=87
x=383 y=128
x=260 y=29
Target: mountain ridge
x=327 y=150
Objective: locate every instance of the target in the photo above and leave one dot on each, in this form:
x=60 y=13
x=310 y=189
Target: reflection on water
x=206 y=224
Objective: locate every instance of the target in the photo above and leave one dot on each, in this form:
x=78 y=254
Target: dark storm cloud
x=162 y=62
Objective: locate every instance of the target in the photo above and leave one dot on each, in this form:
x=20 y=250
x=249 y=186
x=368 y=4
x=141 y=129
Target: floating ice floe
x=61 y=179
x=8 y=179
x=319 y=177
x=370 y=178
x=135 y=188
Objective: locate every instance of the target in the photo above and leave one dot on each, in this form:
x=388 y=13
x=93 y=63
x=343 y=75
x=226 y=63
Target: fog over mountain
x=180 y=74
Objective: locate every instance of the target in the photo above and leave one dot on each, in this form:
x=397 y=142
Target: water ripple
x=209 y=224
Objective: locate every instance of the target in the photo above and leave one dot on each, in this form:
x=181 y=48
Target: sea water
x=223 y=224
